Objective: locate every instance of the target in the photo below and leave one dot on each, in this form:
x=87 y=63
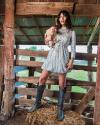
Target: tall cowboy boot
x=37 y=105
x=60 y=112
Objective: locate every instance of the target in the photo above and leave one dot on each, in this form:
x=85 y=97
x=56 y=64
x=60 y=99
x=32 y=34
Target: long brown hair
x=68 y=22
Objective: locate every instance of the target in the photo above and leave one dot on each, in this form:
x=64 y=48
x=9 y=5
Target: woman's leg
x=62 y=80
x=40 y=90
x=62 y=90
x=43 y=77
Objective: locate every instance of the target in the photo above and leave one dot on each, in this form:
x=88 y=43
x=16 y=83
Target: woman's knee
x=61 y=86
x=43 y=77
x=62 y=81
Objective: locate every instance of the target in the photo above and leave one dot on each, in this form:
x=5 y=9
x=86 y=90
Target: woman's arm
x=73 y=45
x=73 y=50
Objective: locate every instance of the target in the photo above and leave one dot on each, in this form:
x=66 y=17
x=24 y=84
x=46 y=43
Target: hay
x=47 y=116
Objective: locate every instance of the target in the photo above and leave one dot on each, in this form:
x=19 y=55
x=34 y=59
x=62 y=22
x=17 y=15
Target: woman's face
x=62 y=19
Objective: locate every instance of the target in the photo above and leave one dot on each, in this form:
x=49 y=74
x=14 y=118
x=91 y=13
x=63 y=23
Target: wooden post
x=85 y=100
x=90 y=74
x=1 y=74
x=8 y=98
x=17 y=56
x=97 y=90
x=31 y=73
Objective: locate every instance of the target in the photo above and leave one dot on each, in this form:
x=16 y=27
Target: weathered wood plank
x=92 y=10
x=37 y=64
x=79 y=56
x=23 y=32
x=31 y=73
x=29 y=63
x=44 y=8
x=34 y=42
x=23 y=101
x=86 y=68
x=32 y=91
x=77 y=96
x=97 y=90
x=85 y=100
x=79 y=36
x=87 y=1
x=52 y=8
x=1 y=73
x=31 y=52
x=34 y=80
x=48 y=26
x=73 y=82
x=47 y=93
x=8 y=97
x=94 y=31
x=79 y=1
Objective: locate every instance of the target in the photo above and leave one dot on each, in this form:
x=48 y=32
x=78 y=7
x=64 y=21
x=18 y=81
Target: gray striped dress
x=58 y=56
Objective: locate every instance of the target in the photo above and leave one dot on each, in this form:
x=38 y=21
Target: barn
x=23 y=23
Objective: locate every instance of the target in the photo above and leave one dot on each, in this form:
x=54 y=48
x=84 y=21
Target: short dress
x=58 y=55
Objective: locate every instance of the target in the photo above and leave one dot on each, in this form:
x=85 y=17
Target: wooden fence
x=81 y=98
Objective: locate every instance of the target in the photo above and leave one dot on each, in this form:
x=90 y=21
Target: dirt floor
x=18 y=119
x=44 y=116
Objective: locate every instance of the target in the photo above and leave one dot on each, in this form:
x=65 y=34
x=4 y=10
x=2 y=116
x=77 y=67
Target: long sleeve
x=73 y=44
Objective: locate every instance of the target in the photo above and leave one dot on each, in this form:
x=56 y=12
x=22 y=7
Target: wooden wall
x=78 y=1
x=1 y=72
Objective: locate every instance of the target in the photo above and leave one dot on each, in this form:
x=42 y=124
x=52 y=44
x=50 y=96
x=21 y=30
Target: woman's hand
x=70 y=64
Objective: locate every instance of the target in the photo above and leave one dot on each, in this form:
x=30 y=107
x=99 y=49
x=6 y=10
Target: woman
x=58 y=61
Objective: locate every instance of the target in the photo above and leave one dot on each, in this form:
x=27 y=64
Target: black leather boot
x=37 y=105
x=60 y=112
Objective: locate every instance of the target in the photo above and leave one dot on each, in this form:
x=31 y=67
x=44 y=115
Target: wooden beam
x=87 y=1
x=38 y=42
x=52 y=8
x=85 y=68
x=1 y=73
x=77 y=96
x=31 y=53
x=97 y=90
x=47 y=93
x=87 y=28
x=34 y=80
x=32 y=91
x=46 y=27
x=2 y=9
x=8 y=97
x=91 y=11
x=39 y=35
x=98 y=1
x=94 y=31
x=80 y=37
x=85 y=100
x=37 y=64
x=23 y=32
x=40 y=30
x=30 y=73
x=29 y=63
x=29 y=42
x=22 y=101
x=44 y=8
x=90 y=74
x=79 y=56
